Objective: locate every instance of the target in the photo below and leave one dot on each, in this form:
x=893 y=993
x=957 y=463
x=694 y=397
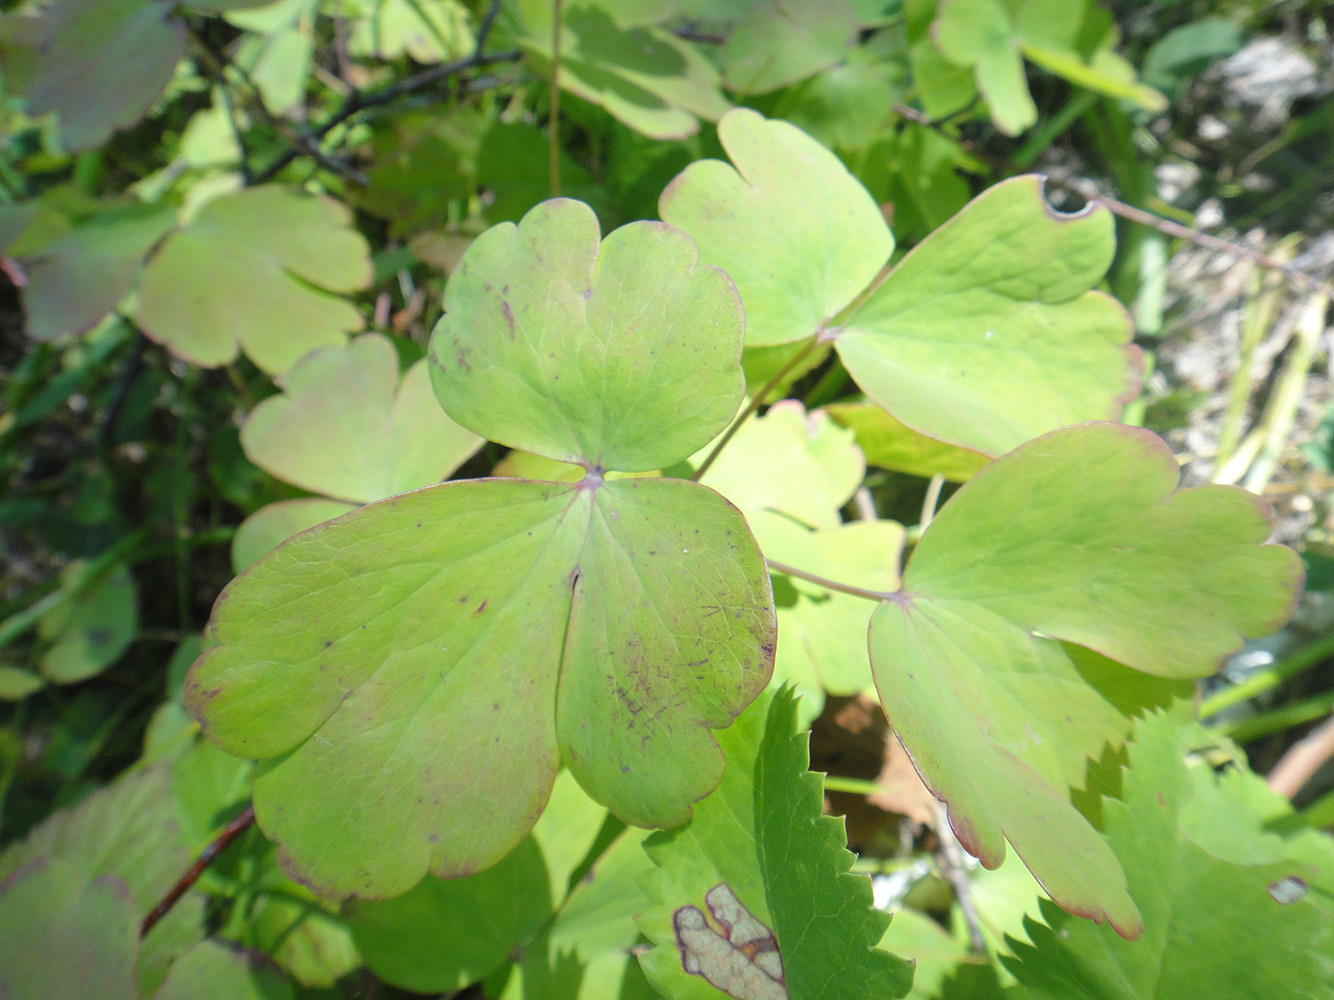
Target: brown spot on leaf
x=741 y=958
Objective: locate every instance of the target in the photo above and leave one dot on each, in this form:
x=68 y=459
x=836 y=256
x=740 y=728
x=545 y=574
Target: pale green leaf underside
x=621 y=355
x=762 y=835
x=250 y=272
x=422 y=664
x=1077 y=536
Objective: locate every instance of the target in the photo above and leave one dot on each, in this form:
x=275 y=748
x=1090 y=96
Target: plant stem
x=1278 y=719
x=1268 y=679
x=553 y=126
x=755 y=403
x=853 y=786
x=843 y=588
x=207 y=856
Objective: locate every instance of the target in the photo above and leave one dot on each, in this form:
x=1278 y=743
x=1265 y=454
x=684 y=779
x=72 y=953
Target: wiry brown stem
x=206 y=857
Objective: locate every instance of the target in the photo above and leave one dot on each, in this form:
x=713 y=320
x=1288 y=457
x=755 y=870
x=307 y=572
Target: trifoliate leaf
x=753 y=898
x=65 y=935
x=1078 y=536
x=254 y=270
x=797 y=233
x=1213 y=926
x=346 y=427
x=98 y=64
x=614 y=355
x=422 y=664
x=984 y=336
x=643 y=75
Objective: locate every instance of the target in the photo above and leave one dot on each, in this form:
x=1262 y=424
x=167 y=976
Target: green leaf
x=1077 y=536
x=481 y=616
x=753 y=898
x=428 y=32
x=346 y=427
x=311 y=945
x=213 y=971
x=776 y=44
x=797 y=259
x=273 y=524
x=128 y=832
x=891 y=445
x=614 y=355
x=967 y=341
x=1214 y=926
x=90 y=630
x=986 y=334
x=62 y=935
x=98 y=64
x=644 y=76
x=78 y=278
x=285 y=250
x=1071 y=39
x=16 y=683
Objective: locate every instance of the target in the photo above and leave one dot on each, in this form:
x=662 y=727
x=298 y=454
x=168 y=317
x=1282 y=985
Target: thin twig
x=210 y=853
x=755 y=403
x=952 y=867
x=356 y=102
x=828 y=584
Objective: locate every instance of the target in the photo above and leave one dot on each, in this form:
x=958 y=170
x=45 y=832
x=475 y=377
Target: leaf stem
x=207 y=856
x=553 y=126
x=755 y=403
x=843 y=588
x=1265 y=680
x=1278 y=719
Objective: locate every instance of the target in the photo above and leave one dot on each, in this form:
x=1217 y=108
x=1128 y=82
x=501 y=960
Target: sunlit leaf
x=273 y=524
x=255 y=270
x=1078 y=536
x=888 y=443
x=1193 y=900
x=428 y=32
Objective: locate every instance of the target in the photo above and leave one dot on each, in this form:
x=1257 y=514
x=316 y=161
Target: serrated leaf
x=643 y=75
x=1213 y=926
x=64 y=935
x=776 y=44
x=753 y=898
x=967 y=341
x=346 y=427
x=1077 y=536
x=286 y=250
x=214 y=971
x=614 y=354
x=797 y=260
x=98 y=64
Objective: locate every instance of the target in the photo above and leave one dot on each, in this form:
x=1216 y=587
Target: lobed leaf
x=1078 y=536
x=286 y=252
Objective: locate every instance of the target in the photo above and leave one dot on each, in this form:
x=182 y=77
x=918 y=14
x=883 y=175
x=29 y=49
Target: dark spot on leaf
x=480 y=608
x=625 y=769
x=328 y=643
x=588 y=293
x=508 y=313
x=1162 y=800
x=99 y=636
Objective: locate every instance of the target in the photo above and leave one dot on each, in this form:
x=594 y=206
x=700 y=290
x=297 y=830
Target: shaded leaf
x=213 y=971
x=891 y=445
x=346 y=427
x=646 y=77
x=90 y=630
x=776 y=44
x=254 y=271
x=1106 y=556
x=62 y=935
x=98 y=64
x=758 y=868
